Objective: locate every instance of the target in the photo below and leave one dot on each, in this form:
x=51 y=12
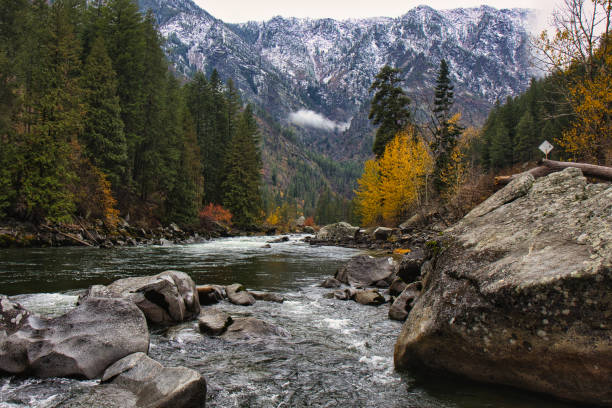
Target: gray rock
x=80 y=343
x=138 y=381
x=382 y=233
x=520 y=292
x=331 y=283
x=213 y=322
x=340 y=231
x=210 y=294
x=409 y=269
x=267 y=297
x=238 y=295
x=397 y=286
x=365 y=270
x=369 y=297
x=300 y=221
x=250 y=328
x=403 y=303
x=345 y=294
x=166 y=298
x=278 y=240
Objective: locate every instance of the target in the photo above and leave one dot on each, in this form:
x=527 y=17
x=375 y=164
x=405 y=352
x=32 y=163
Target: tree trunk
x=550 y=166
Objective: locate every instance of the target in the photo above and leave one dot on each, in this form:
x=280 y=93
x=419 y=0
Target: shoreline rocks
x=520 y=292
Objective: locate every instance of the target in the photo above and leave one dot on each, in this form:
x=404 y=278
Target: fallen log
x=80 y=241
x=550 y=166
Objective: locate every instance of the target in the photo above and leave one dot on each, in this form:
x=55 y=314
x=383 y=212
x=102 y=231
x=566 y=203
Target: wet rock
x=382 y=284
x=369 y=297
x=12 y=316
x=267 y=297
x=337 y=232
x=366 y=270
x=279 y=240
x=267 y=246
x=210 y=294
x=409 y=269
x=397 y=286
x=403 y=303
x=213 y=322
x=80 y=343
x=520 y=292
x=331 y=283
x=165 y=242
x=250 y=328
x=166 y=298
x=238 y=295
x=137 y=381
x=345 y=294
x=382 y=233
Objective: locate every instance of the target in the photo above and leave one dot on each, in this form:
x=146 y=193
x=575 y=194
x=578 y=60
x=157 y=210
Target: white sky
x=238 y=11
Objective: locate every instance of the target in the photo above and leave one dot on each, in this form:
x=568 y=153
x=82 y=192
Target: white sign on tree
x=546 y=147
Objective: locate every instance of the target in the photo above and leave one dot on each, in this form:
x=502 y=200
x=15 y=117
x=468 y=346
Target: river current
x=340 y=354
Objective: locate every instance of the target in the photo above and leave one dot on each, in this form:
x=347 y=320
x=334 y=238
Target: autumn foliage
x=215 y=213
x=391 y=185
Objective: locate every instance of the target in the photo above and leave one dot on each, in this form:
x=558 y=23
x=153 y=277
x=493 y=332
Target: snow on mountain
x=286 y=65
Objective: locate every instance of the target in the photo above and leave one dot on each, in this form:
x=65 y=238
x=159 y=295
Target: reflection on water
x=340 y=354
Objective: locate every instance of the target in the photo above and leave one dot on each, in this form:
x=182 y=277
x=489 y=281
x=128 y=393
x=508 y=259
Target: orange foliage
x=309 y=222
x=92 y=191
x=215 y=213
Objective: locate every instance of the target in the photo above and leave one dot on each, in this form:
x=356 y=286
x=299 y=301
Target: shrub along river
x=340 y=354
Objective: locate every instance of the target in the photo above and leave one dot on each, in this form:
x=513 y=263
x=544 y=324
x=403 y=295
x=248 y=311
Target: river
x=340 y=354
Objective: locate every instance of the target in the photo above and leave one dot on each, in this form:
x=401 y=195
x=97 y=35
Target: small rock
x=238 y=295
x=249 y=328
x=210 y=294
x=213 y=322
x=330 y=283
x=268 y=297
x=397 y=287
x=369 y=297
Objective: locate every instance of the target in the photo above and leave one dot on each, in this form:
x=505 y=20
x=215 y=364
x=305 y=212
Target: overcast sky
x=238 y=11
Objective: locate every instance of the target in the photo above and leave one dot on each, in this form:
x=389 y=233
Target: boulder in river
x=210 y=294
x=137 y=381
x=250 y=328
x=382 y=233
x=369 y=297
x=345 y=294
x=166 y=298
x=520 y=293
x=238 y=295
x=267 y=296
x=397 y=287
x=403 y=303
x=213 y=322
x=366 y=270
x=80 y=343
x=331 y=283
x=341 y=231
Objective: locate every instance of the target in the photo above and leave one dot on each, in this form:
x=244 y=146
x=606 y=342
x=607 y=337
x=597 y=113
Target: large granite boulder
x=137 y=381
x=81 y=343
x=166 y=298
x=250 y=328
x=238 y=295
x=340 y=231
x=366 y=270
x=521 y=292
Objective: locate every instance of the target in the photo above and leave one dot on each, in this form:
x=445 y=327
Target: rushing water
x=340 y=354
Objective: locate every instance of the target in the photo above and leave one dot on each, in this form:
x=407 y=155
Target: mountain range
x=310 y=78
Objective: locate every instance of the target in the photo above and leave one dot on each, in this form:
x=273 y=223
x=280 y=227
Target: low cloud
x=308 y=118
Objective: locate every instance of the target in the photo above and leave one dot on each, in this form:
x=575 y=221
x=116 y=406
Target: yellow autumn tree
x=390 y=187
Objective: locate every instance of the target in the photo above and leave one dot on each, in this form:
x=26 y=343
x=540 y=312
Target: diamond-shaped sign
x=546 y=147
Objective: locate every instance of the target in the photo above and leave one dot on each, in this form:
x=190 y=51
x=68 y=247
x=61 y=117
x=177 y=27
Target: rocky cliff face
x=286 y=65
x=521 y=292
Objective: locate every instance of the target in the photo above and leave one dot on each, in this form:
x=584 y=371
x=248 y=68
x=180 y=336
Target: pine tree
x=103 y=136
x=388 y=108
x=446 y=133
x=525 y=138
x=501 y=144
x=243 y=162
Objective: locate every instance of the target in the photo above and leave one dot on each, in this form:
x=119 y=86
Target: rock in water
x=401 y=306
x=267 y=297
x=166 y=298
x=397 y=287
x=238 y=295
x=341 y=231
x=521 y=292
x=369 y=297
x=143 y=382
x=250 y=328
x=365 y=270
x=213 y=321
x=80 y=343
x=210 y=294
x=331 y=283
